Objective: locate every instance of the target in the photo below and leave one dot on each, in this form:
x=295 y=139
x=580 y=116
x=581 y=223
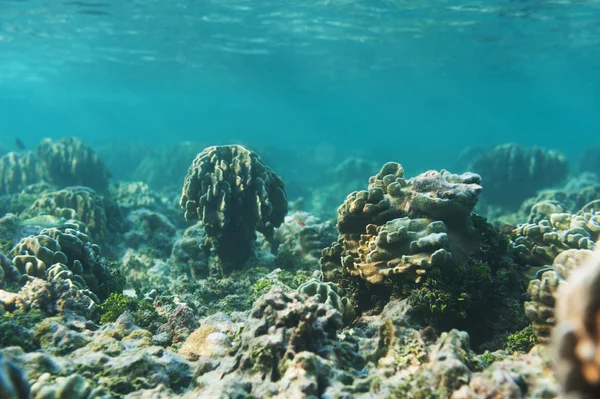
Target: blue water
x=419 y=80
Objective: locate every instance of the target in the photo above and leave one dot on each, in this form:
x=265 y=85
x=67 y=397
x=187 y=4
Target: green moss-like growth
x=16 y=329
x=143 y=313
x=115 y=281
x=522 y=341
x=296 y=279
x=6 y=245
x=233 y=293
x=490 y=357
x=482 y=295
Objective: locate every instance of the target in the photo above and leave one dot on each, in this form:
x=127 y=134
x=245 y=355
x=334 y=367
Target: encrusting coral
x=233 y=194
x=576 y=337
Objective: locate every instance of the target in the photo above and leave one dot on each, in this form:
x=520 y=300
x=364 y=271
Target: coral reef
x=12 y=382
x=543 y=290
x=304 y=236
x=8 y=271
x=402 y=227
x=149 y=230
x=575 y=337
x=76 y=204
x=538 y=243
x=512 y=173
x=18 y=170
x=69 y=162
x=330 y=294
x=233 y=194
x=65 y=254
x=66 y=162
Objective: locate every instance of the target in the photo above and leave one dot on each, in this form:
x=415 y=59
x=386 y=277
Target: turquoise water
x=418 y=80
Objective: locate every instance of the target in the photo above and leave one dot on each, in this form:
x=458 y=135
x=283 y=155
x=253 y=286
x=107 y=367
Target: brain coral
x=232 y=193
x=403 y=227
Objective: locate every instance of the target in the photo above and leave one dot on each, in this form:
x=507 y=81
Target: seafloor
x=228 y=272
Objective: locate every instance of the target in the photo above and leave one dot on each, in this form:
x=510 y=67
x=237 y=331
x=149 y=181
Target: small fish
x=45 y=221
x=19 y=144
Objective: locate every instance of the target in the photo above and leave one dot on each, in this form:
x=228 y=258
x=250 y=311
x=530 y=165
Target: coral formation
x=18 y=170
x=304 y=236
x=74 y=204
x=65 y=254
x=512 y=173
x=543 y=290
x=149 y=230
x=538 y=243
x=575 y=337
x=403 y=227
x=69 y=162
x=330 y=294
x=66 y=162
x=233 y=194
x=8 y=271
x=12 y=382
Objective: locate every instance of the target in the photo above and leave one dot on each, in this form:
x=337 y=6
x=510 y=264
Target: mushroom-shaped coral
x=233 y=194
x=512 y=173
x=576 y=338
x=543 y=290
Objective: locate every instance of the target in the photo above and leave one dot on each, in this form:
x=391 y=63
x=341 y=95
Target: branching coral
x=233 y=194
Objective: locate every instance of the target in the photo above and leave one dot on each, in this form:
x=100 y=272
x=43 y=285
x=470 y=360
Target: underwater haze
x=418 y=80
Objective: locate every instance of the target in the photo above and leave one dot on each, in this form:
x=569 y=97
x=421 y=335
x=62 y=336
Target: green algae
x=16 y=329
x=143 y=313
x=521 y=341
